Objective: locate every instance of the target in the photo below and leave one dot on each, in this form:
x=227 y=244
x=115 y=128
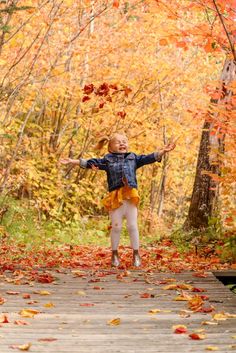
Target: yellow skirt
x=115 y=198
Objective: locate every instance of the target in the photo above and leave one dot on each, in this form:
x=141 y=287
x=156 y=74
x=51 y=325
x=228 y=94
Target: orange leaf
x=20 y=322
x=163 y=42
x=114 y=322
x=116 y=4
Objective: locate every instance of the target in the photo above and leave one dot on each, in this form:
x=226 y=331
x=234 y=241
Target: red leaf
x=180 y=330
x=88 y=89
x=145 y=295
x=20 y=322
x=116 y=4
x=85 y=98
x=87 y=304
x=26 y=296
x=4 y=319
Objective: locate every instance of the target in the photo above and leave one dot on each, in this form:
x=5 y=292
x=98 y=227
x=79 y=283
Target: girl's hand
x=169 y=147
x=68 y=161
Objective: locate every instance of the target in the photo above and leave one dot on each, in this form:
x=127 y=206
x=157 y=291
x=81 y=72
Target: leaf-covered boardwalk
x=113 y=311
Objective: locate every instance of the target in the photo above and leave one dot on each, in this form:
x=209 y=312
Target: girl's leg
x=131 y=215
x=116 y=217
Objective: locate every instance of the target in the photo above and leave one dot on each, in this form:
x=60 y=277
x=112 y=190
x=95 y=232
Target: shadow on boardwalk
x=75 y=313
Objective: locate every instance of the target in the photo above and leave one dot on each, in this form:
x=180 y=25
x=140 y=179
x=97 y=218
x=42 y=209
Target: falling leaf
x=197 y=336
x=114 y=322
x=22 y=347
x=116 y=4
x=212 y=348
x=28 y=312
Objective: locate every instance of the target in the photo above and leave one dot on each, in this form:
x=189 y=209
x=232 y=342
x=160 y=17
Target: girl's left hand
x=169 y=147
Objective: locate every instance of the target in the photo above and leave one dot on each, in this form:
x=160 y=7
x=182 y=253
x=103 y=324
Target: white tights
x=129 y=211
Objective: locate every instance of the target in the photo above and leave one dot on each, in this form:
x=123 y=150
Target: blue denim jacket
x=121 y=167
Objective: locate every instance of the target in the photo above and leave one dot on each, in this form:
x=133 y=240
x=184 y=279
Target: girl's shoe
x=115 y=262
x=136 y=259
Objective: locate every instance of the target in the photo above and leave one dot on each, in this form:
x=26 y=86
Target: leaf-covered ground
x=163 y=258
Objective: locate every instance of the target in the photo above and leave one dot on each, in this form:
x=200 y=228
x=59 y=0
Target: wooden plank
x=84 y=329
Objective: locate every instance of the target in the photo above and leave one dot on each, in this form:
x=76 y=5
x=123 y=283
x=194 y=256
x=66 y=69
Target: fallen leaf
x=209 y=323
x=28 y=312
x=2 y=301
x=212 y=348
x=12 y=293
x=154 y=311
x=48 y=339
x=26 y=296
x=114 y=322
x=145 y=295
x=4 y=319
x=49 y=305
x=43 y=292
x=87 y=304
x=220 y=317
x=197 y=336
x=20 y=322
x=81 y=293
x=200 y=274
x=179 y=329
x=22 y=347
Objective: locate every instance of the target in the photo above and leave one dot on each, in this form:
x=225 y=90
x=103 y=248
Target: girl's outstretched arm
x=93 y=163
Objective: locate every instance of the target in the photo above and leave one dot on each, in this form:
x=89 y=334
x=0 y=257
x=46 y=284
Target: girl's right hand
x=68 y=161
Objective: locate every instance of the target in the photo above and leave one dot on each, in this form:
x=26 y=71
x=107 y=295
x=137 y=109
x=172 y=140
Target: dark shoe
x=136 y=259
x=115 y=262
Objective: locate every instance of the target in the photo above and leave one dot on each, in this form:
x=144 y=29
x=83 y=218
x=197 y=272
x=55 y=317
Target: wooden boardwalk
x=79 y=309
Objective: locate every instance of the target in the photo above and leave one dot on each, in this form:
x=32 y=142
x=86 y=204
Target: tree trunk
x=206 y=185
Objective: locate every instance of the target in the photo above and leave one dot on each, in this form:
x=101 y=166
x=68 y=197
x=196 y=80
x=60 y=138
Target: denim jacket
x=121 y=167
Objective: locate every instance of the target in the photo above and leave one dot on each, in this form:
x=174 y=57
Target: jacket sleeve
x=100 y=163
x=144 y=159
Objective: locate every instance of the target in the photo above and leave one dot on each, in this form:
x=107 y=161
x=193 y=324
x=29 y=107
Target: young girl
x=122 y=200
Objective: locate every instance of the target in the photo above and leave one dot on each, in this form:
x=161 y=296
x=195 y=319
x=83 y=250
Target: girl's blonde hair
x=107 y=140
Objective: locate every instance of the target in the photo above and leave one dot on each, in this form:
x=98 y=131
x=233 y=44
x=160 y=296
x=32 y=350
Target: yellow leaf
x=44 y=292
x=114 y=322
x=219 y=317
x=2 y=62
x=49 y=305
x=154 y=311
x=209 y=323
x=22 y=347
x=28 y=312
x=174 y=327
x=212 y=348
x=81 y=293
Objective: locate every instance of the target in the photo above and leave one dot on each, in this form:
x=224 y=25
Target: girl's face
x=119 y=144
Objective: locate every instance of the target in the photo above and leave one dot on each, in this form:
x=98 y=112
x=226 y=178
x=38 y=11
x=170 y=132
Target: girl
x=122 y=200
